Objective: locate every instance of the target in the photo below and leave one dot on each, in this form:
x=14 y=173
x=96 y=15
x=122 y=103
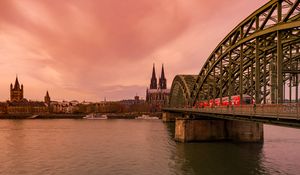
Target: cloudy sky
x=92 y=49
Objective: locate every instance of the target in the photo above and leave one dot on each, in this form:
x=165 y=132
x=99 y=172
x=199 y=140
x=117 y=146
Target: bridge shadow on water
x=215 y=158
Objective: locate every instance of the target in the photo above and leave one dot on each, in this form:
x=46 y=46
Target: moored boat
x=147 y=117
x=95 y=116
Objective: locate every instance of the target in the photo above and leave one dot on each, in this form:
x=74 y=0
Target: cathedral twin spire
x=162 y=80
x=153 y=84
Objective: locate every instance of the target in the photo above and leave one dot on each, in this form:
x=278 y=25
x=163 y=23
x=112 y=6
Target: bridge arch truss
x=181 y=90
x=260 y=57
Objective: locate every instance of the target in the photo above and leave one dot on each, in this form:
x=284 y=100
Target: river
x=141 y=147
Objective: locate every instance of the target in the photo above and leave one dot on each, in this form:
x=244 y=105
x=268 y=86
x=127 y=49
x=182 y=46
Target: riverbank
x=131 y=115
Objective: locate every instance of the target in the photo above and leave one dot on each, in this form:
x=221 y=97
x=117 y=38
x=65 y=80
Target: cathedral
x=158 y=94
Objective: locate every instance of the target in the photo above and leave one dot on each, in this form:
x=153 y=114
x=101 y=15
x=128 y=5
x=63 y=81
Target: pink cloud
x=79 y=48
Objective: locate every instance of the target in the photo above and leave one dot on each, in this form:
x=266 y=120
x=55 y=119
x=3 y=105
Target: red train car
x=235 y=101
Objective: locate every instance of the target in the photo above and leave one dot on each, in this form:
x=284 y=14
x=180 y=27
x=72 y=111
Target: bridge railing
x=290 y=110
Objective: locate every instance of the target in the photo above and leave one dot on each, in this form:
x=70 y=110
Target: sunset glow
x=92 y=49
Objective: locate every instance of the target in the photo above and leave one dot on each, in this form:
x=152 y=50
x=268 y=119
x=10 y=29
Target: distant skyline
x=95 y=49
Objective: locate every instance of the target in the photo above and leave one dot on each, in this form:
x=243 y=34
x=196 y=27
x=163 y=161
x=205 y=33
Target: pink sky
x=91 y=49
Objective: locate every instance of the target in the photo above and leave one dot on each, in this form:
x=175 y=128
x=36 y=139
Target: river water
x=138 y=147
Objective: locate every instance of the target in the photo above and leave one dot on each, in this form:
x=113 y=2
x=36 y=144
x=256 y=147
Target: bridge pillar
x=188 y=130
x=242 y=131
x=191 y=130
x=169 y=117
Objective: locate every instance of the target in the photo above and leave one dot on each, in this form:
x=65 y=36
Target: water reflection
x=218 y=157
x=14 y=145
x=279 y=154
x=222 y=158
x=171 y=129
x=136 y=147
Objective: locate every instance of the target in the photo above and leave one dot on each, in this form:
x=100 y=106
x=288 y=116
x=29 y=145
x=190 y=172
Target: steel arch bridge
x=260 y=57
x=181 y=90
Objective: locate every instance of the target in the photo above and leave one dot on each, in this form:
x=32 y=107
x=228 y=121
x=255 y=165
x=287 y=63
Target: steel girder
x=258 y=57
x=181 y=90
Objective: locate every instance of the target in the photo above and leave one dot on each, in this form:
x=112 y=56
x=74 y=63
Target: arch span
x=181 y=90
x=260 y=57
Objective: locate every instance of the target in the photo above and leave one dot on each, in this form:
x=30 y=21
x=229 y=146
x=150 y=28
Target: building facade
x=26 y=107
x=158 y=93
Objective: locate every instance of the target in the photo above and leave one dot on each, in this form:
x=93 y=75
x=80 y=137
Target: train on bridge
x=235 y=101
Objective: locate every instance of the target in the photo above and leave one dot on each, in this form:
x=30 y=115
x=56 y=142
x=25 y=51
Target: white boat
x=147 y=117
x=94 y=116
x=33 y=116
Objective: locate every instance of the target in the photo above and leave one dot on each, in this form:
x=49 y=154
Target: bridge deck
x=285 y=115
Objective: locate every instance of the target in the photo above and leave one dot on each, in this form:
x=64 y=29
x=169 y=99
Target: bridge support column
x=241 y=131
x=169 y=117
x=189 y=130
x=193 y=130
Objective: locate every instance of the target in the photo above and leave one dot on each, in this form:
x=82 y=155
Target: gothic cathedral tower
x=162 y=79
x=158 y=94
x=153 y=84
x=16 y=91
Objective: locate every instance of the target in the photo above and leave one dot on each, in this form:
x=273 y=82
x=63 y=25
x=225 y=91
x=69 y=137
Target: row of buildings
x=157 y=96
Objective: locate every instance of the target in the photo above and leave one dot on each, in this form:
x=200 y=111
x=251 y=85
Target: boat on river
x=95 y=116
x=147 y=117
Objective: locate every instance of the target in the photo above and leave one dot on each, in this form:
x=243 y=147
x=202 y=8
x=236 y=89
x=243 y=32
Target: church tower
x=162 y=79
x=153 y=84
x=16 y=91
x=47 y=99
x=158 y=94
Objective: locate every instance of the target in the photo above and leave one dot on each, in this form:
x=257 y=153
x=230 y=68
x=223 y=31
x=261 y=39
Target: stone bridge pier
x=192 y=130
x=170 y=117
